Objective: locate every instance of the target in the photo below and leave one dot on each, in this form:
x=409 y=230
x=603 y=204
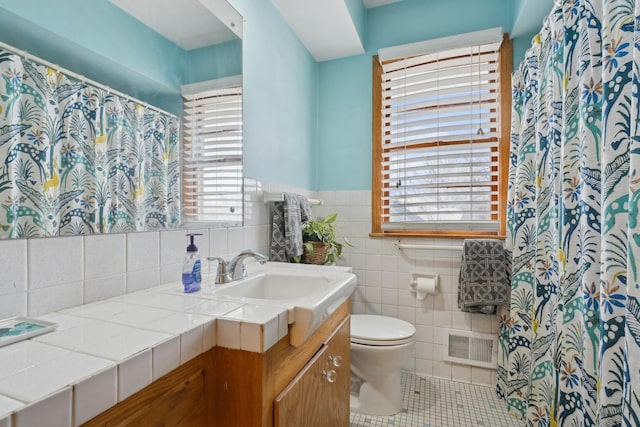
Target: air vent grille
x=458 y=346
x=470 y=348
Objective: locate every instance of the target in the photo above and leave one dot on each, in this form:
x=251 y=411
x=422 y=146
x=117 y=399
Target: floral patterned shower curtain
x=77 y=159
x=569 y=349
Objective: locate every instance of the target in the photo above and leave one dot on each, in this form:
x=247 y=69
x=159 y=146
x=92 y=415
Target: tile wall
x=48 y=274
x=41 y=275
x=384 y=276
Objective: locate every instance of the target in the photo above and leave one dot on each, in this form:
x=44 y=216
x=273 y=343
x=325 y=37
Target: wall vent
x=470 y=348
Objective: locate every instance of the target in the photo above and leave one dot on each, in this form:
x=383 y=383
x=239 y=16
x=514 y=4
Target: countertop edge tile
x=165 y=352
x=8 y=406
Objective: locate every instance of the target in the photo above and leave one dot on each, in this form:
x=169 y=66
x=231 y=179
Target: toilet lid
x=380 y=330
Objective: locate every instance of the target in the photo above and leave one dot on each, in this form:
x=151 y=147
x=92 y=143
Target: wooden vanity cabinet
x=247 y=384
x=178 y=399
x=319 y=395
x=226 y=388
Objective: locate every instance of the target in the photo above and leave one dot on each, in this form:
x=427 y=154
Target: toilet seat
x=375 y=330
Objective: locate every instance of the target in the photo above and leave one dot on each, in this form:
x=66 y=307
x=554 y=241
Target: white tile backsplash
x=143 y=251
x=143 y=279
x=104 y=287
x=218 y=242
x=13 y=264
x=55 y=261
x=46 y=274
x=235 y=241
x=13 y=305
x=105 y=255
x=53 y=298
x=173 y=245
x=170 y=273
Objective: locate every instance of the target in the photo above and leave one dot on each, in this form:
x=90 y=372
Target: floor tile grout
x=436 y=402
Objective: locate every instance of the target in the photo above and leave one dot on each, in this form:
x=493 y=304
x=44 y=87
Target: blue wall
x=213 y=62
x=520 y=46
x=279 y=79
x=98 y=40
x=358 y=15
x=343 y=150
x=305 y=124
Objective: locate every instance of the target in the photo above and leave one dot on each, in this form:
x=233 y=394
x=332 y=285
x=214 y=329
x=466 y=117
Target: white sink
x=310 y=293
x=276 y=286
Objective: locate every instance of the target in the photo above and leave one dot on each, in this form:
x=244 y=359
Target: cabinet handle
x=335 y=361
x=331 y=376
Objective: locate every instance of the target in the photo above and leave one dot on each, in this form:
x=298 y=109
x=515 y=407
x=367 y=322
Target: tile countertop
x=103 y=352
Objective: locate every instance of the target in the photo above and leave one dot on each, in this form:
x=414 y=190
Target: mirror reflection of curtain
x=569 y=351
x=78 y=159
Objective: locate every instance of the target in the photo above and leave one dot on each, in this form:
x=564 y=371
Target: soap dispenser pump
x=191 y=268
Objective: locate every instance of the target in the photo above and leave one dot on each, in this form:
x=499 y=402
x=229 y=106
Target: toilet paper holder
x=423 y=284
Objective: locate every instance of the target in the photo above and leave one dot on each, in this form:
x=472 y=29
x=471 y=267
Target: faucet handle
x=222 y=276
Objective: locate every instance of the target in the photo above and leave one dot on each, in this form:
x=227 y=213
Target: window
x=441 y=135
x=212 y=156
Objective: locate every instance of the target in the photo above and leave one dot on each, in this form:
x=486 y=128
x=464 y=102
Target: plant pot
x=319 y=254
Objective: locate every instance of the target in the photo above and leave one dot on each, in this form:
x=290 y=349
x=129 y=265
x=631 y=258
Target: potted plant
x=321 y=245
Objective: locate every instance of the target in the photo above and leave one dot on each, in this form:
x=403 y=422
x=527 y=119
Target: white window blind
x=440 y=136
x=212 y=160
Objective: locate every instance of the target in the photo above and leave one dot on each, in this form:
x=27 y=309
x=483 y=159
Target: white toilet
x=380 y=346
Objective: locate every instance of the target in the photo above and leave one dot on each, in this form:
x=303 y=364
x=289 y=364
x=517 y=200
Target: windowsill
x=439 y=234
x=195 y=225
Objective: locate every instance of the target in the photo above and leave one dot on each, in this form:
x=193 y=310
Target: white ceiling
x=324 y=27
x=198 y=27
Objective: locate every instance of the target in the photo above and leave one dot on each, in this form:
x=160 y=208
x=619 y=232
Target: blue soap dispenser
x=191 y=275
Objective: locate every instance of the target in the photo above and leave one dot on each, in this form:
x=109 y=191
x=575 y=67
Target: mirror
x=140 y=57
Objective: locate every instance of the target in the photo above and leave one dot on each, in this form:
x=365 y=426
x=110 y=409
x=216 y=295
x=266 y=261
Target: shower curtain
x=77 y=159
x=569 y=352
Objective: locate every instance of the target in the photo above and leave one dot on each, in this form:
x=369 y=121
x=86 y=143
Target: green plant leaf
x=324 y=230
x=331 y=218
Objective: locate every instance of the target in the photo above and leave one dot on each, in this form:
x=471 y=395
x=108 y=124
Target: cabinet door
x=319 y=395
x=302 y=402
x=339 y=360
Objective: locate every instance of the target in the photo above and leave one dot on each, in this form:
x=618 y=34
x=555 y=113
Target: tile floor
x=435 y=402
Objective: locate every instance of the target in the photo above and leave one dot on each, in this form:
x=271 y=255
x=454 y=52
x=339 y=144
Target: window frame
x=505 y=59
x=193 y=94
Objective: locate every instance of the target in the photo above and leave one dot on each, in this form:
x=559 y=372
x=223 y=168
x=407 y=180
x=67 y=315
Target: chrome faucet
x=221 y=272
x=234 y=269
